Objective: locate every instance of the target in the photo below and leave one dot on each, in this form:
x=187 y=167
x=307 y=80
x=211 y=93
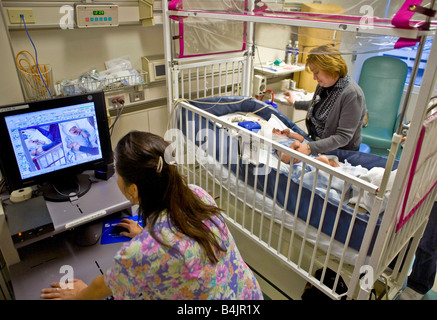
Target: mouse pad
x=110 y=237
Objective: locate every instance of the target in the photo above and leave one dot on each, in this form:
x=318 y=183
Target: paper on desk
x=298 y=96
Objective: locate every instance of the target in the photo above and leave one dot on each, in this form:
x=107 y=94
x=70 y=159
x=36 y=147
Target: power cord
x=2 y=185
x=119 y=105
x=36 y=56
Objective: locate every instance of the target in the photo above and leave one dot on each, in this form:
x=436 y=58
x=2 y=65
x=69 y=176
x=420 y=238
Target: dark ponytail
x=139 y=159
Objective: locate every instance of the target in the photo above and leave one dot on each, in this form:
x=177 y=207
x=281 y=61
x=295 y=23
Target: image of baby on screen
x=44 y=147
x=80 y=138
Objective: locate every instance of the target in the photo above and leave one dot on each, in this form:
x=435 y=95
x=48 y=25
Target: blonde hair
x=327 y=59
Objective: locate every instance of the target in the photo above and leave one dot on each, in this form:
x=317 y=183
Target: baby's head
x=74 y=130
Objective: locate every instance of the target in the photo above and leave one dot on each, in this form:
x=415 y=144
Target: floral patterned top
x=145 y=267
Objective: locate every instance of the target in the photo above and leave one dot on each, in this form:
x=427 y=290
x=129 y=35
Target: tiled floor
x=432 y=294
x=269 y=292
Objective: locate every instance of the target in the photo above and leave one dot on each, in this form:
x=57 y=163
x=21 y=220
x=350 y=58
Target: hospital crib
x=52 y=157
x=282 y=216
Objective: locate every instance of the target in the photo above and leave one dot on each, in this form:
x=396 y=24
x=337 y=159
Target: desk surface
x=300 y=95
x=103 y=198
x=43 y=256
x=270 y=68
x=41 y=262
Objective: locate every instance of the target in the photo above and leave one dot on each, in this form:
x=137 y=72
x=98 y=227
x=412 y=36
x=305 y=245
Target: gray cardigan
x=343 y=126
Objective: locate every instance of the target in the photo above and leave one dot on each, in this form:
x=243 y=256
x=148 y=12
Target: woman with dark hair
x=336 y=112
x=185 y=250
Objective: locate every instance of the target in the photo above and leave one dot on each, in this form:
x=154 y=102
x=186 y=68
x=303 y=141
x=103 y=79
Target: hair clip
x=160 y=165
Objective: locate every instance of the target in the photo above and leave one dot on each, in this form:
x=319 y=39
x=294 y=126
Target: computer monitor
x=51 y=142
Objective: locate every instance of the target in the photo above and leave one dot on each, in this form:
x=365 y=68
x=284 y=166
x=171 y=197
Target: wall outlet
x=136 y=96
x=14 y=16
x=115 y=101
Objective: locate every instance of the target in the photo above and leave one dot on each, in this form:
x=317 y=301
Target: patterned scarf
x=320 y=108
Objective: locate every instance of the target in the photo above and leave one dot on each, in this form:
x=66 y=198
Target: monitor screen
x=160 y=70
x=50 y=140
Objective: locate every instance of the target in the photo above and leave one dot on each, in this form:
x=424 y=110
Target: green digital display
x=98 y=12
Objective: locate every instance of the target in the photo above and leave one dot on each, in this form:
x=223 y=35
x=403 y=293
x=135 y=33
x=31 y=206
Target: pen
x=271 y=69
x=100 y=269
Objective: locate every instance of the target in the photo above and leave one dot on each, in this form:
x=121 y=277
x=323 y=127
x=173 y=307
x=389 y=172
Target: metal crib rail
x=208 y=78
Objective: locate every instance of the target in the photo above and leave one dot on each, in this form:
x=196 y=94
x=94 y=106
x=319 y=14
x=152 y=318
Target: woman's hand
x=133 y=228
x=303 y=148
x=300 y=147
x=75 y=146
x=84 y=133
x=77 y=290
x=289 y=97
x=64 y=291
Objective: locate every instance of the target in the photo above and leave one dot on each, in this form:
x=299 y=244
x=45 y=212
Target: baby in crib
x=286 y=136
x=35 y=141
x=374 y=175
x=35 y=147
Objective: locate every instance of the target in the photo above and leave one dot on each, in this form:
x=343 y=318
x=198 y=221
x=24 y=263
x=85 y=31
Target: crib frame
x=53 y=156
x=198 y=78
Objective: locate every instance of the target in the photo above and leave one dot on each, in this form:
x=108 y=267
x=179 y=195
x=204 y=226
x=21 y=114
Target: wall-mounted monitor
x=154 y=66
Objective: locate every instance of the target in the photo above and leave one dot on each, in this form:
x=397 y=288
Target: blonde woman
x=336 y=112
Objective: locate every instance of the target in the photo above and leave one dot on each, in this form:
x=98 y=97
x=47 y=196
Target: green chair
x=382 y=80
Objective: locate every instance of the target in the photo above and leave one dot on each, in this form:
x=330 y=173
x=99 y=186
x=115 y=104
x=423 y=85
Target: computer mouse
x=115 y=231
x=88 y=235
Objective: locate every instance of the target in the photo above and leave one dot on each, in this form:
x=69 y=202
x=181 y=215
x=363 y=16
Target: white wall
x=10 y=90
x=73 y=52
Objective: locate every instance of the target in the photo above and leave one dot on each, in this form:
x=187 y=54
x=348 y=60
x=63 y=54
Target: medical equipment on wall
x=259 y=85
x=119 y=74
x=154 y=66
x=96 y=15
x=145 y=8
x=106 y=80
